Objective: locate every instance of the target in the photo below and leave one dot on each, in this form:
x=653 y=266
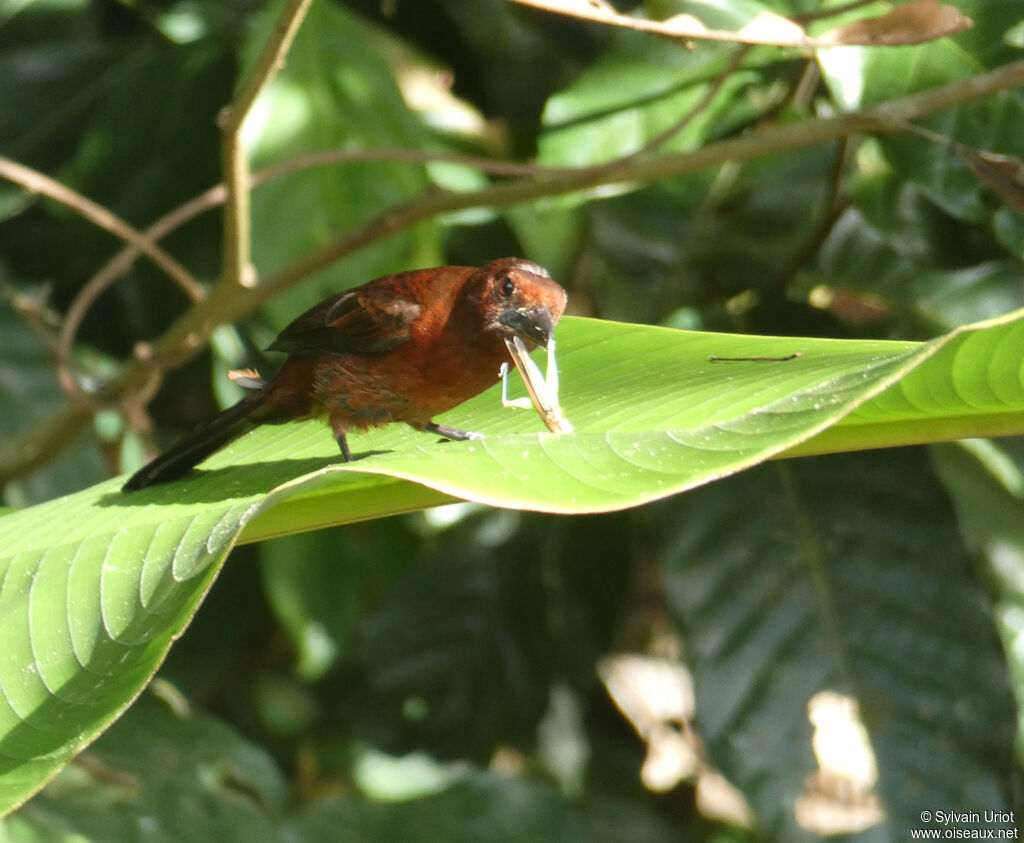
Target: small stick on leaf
x=714 y=358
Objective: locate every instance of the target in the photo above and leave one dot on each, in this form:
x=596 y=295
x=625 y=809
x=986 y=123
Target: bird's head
x=518 y=298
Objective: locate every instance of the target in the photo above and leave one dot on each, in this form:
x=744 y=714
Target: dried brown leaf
x=1003 y=173
x=912 y=23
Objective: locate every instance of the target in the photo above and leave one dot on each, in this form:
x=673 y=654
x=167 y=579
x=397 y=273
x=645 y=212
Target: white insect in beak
x=542 y=389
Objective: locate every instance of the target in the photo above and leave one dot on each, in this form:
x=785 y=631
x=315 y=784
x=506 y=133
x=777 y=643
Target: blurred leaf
x=506 y=60
x=454 y=637
x=462 y=635
x=337 y=90
x=56 y=65
x=986 y=482
x=160 y=777
x=959 y=297
x=838 y=575
x=28 y=392
x=990 y=40
x=750 y=224
x=134 y=157
x=900 y=242
x=860 y=76
x=319 y=583
x=545 y=232
x=637 y=90
x=377 y=637
x=138 y=135
x=993 y=125
x=859 y=255
x=486 y=808
x=636 y=244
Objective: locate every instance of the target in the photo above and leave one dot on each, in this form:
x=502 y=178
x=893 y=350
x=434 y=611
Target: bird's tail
x=198 y=445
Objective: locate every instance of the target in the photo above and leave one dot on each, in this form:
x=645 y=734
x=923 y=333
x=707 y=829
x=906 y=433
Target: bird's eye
x=506 y=287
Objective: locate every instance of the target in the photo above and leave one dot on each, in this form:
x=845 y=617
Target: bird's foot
x=451 y=432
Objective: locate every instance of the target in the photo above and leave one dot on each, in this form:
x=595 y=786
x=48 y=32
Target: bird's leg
x=339 y=437
x=450 y=432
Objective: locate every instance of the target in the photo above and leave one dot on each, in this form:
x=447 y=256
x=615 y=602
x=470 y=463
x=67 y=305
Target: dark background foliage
x=436 y=676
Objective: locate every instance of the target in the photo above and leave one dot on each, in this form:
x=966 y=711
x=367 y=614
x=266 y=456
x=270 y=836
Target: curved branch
x=35 y=182
x=189 y=333
x=237 y=269
x=111 y=271
x=915 y=22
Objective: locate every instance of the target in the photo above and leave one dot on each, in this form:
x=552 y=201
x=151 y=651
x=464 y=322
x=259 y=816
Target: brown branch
x=713 y=89
x=325 y=157
x=111 y=271
x=35 y=182
x=833 y=207
x=34 y=311
x=881 y=119
x=915 y=22
x=237 y=270
x=118 y=265
x=187 y=335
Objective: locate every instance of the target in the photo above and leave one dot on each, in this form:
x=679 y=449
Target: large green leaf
x=839 y=577
x=986 y=482
x=161 y=776
x=95 y=586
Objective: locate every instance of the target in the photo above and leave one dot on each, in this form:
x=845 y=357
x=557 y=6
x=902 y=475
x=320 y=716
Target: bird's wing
x=350 y=323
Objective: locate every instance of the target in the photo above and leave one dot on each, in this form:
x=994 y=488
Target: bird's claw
x=452 y=433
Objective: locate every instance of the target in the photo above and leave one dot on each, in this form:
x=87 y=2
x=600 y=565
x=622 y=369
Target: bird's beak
x=534 y=323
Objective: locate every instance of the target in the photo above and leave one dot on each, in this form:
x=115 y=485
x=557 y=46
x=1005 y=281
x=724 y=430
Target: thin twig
x=118 y=265
x=34 y=310
x=834 y=206
x=188 y=334
x=707 y=97
x=36 y=182
x=237 y=269
x=490 y=166
x=714 y=358
x=111 y=271
x=880 y=119
x=767 y=30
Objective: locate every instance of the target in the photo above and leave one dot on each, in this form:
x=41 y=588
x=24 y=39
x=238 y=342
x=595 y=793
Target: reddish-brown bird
x=402 y=348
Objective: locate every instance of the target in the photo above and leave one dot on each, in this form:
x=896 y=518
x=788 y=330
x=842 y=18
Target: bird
x=401 y=348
